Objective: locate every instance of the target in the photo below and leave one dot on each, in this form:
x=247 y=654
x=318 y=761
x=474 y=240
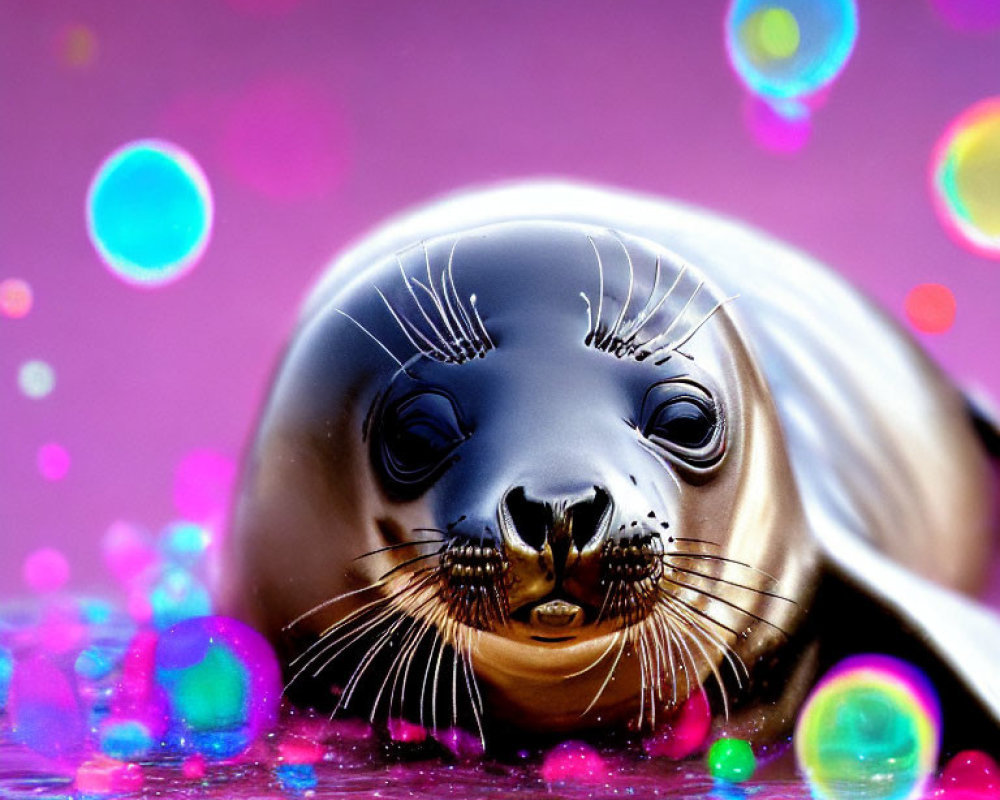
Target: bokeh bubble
x=178 y=595
x=574 y=762
x=6 y=670
x=222 y=681
x=731 y=760
x=285 y=140
x=777 y=126
x=203 y=481
x=44 y=709
x=46 y=570
x=930 y=307
x=129 y=552
x=184 y=543
x=969 y=16
x=53 y=461
x=790 y=48
x=965 y=178
x=149 y=212
x=15 y=298
x=76 y=46
x=871 y=728
x=36 y=379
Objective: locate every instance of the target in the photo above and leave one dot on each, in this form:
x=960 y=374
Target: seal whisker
x=630 y=331
x=327 y=603
x=374 y=338
x=687 y=337
x=724 y=601
x=623 y=642
x=409 y=282
x=613 y=332
x=645 y=346
x=735 y=584
x=479 y=321
x=411 y=561
x=400 y=546
x=471 y=684
x=733 y=658
x=436 y=299
x=428 y=348
x=600 y=292
x=721 y=559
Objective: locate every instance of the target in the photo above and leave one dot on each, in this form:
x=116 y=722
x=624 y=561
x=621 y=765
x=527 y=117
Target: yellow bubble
x=966 y=177
x=77 y=46
x=771 y=34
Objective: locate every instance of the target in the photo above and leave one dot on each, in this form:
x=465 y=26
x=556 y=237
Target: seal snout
x=566 y=524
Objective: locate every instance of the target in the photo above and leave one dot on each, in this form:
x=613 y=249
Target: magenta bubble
x=685 y=733
x=969 y=16
x=44 y=709
x=969 y=775
x=777 y=129
x=574 y=762
x=285 y=140
x=53 y=461
x=46 y=570
x=401 y=730
x=462 y=744
x=203 y=482
x=129 y=552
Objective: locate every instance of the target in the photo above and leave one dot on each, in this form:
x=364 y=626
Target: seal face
x=533 y=472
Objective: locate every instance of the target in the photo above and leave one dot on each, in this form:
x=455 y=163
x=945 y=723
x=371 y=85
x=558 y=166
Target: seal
x=556 y=457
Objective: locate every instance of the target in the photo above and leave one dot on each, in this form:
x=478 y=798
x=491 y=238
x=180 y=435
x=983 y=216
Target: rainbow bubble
x=36 y=379
x=965 y=178
x=790 y=48
x=871 y=728
x=222 y=681
x=15 y=298
x=149 y=212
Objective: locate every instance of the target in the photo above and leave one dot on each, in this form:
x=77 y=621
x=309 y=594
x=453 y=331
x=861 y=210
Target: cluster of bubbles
x=787 y=53
x=965 y=178
x=149 y=212
x=871 y=728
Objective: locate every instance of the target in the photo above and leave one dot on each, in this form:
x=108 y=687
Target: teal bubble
x=126 y=740
x=6 y=671
x=178 y=596
x=790 y=48
x=149 y=212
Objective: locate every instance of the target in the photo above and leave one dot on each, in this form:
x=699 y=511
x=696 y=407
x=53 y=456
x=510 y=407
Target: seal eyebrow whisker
x=407 y=327
x=687 y=337
x=645 y=348
x=479 y=320
x=632 y=329
x=408 y=283
x=374 y=338
x=613 y=333
x=600 y=292
x=590 y=321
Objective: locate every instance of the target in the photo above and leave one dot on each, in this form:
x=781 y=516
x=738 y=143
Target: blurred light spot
x=15 y=298
x=790 y=48
x=149 y=212
x=969 y=15
x=6 y=670
x=94 y=663
x=870 y=728
x=44 y=709
x=76 y=46
x=930 y=307
x=203 y=481
x=129 y=552
x=178 y=596
x=46 y=570
x=125 y=739
x=965 y=178
x=36 y=379
x=184 y=543
x=574 y=762
x=780 y=127
x=53 y=461
x=284 y=140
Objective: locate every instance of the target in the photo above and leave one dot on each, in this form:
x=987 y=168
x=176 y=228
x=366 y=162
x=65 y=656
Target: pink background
x=313 y=120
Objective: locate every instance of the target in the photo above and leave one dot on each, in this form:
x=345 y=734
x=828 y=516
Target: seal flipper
x=868 y=603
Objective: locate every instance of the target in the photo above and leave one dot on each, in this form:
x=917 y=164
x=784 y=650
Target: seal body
x=559 y=457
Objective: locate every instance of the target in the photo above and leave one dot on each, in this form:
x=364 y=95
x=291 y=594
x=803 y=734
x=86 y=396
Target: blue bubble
x=176 y=597
x=296 y=777
x=96 y=612
x=184 y=543
x=126 y=740
x=790 y=48
x=94 y=663
x=149 y=212
x=6 y=670
x=220 y=744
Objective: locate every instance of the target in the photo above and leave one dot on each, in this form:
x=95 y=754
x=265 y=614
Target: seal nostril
x=531 y=520
x=590 y=517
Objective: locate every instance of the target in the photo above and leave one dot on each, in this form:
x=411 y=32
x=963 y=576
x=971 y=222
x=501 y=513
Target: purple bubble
x=44 y=709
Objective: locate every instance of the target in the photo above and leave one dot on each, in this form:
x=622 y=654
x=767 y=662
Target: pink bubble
x=969 y=16
x=129 y=552
x=285 y=140
x=46 y=570
x=685 y=733
x=461 y=744
x=193 y=767
x=969 y=775
x=203 y=481
x=44 y=709
x=574 y=762
x=103 y=775
x=930 y=307
x=53 y=461
x=777 y=129
x=400 y=730
x=300 y=750
x=15 y=298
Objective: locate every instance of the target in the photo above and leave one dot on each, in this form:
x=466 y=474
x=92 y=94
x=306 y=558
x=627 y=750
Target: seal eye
x=685 y=422
x=418 y=434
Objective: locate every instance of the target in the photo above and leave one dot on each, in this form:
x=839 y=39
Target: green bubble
x=731 y=760
x=212 y=695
